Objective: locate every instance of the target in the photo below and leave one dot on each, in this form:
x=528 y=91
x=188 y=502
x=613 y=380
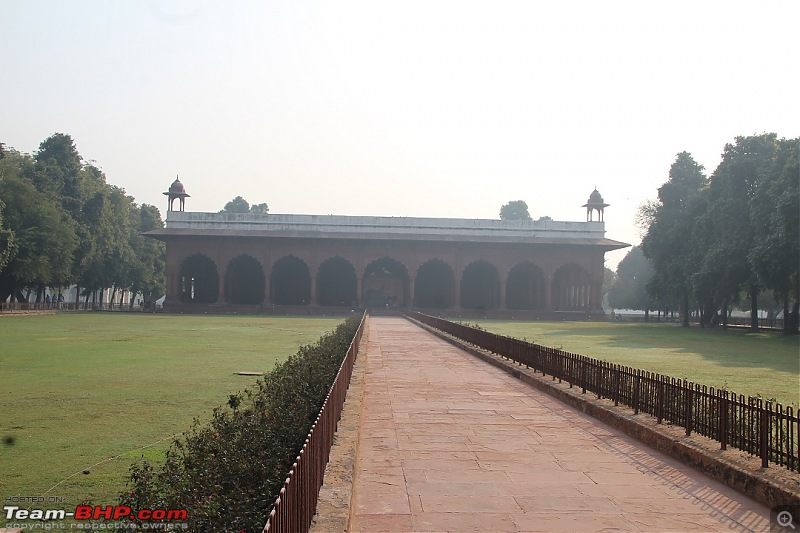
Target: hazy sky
x=399 y=108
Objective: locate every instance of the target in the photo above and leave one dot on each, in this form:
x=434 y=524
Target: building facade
x=221 y=262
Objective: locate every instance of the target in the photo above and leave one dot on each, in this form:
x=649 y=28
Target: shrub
x=228 y=472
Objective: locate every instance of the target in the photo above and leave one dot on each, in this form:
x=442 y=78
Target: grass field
x=747 y=363
x=80 y=389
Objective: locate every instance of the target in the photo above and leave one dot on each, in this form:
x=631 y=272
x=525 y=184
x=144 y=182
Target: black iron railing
x=297 y=502
x=762 y=428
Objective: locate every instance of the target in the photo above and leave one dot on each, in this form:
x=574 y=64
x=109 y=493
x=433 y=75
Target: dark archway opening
x=480 y=286
x=336 y=283
x=244 y=281
x=571 y=288
x=290 y=282
x=199 y=280
x=434 y=286
x=525 y=287
x=385 y=284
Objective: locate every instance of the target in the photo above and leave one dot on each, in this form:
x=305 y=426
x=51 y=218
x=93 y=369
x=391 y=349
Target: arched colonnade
x=383 y=281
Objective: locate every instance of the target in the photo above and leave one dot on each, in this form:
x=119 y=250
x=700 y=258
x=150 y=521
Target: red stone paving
x=450 y=443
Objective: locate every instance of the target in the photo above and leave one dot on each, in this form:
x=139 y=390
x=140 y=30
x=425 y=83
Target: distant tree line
x=62 y=225
x=518 y=210
x=240 y=205
x=731 y=240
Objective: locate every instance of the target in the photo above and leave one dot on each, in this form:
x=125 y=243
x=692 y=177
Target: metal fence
x=762 y=428
x=763 y=323
x=43 y=307
x=297 y=502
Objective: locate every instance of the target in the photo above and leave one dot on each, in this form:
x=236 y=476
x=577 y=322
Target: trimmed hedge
x=227 y=473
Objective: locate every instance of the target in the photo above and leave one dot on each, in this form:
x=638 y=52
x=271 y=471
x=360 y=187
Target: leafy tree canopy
x=61 y=223
x=237 y=205
x=629 y=289
x=240 y=205
x=515 y=210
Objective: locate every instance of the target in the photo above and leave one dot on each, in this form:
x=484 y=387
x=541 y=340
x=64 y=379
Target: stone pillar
x=173 y=286
x=596 y=303
x=267 y=289
x=221 y=295
x=457 y=293
x=410 y=299
x=501 y=303
x=313 y=297
x=548 y=295
x=359 y=297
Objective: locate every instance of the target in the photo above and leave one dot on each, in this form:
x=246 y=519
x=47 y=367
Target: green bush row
x=228 y=472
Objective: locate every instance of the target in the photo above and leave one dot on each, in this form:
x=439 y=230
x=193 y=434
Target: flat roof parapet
x=392 y=228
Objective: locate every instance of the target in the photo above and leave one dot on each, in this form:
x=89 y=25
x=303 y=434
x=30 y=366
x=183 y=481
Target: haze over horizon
x=436 y=109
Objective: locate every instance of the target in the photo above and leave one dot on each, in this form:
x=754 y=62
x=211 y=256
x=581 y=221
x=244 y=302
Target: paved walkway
x=450 y=443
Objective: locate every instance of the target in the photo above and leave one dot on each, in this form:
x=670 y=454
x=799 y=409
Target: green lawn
x=96 y=391
x=747 y=363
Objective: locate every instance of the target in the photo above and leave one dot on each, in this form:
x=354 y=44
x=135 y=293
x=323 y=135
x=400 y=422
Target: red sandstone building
x=221 y=262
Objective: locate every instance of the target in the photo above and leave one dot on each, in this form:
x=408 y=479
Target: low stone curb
x=771 y=486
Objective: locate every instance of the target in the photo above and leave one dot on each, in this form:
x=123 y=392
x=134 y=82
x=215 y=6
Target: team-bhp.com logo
x=97 y=512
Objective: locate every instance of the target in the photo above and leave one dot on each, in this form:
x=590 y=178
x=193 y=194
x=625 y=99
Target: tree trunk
x=647 y=315
x=790 y=318
x=753 y=309
x=725 y=316
x=684 y=310
x=786 y=321
x=77 y=295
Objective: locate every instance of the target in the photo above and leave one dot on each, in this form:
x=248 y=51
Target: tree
x=240 y=205
x=237 y=205
x=671 y=223
x=259 y=209
x=8 y=247
x=775 y=213
x=629 y=290
x=58 y=166
x=743 y=171
x=44 y=239
x=515 y=210
x=149 y=255
x=61 y=223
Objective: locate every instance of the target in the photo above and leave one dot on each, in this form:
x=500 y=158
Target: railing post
x=660 y=399
x=765 y=432
x=723 y=419
x=583 y=375
x=688 y=409
x=637 y=384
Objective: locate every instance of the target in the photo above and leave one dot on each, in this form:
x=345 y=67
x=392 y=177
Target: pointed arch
x=198 y=280
x=336 y=283
x=244 y=281
x=434 y=285
x=571 y=288
x=385 y=283
x=525 y=287
x=290 y=282
x=480 y=286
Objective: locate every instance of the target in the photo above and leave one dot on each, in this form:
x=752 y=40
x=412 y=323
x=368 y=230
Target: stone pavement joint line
x=450 y=443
